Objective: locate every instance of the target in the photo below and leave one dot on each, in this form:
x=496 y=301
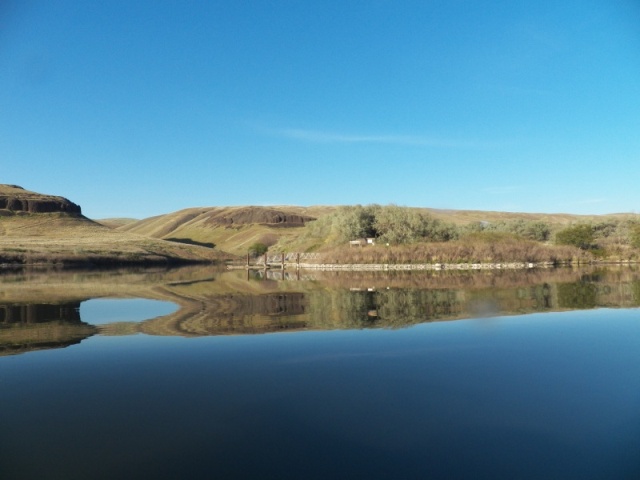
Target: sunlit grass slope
x=56 y=238
x=47 y=229
x=231 y=229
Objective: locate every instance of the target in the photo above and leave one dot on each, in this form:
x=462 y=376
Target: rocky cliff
x=16 y=199
x=256 y=215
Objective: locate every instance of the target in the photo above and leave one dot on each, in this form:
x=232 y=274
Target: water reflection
x=29 y=327
x=43 y=309
x=102 y=311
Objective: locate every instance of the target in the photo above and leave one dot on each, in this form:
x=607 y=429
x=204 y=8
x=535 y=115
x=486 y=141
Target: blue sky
x=137 y=108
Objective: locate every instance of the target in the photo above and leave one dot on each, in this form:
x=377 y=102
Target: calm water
x=193 y=374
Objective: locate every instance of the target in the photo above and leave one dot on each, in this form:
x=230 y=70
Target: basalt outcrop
x=16 y=199
x=258 y=215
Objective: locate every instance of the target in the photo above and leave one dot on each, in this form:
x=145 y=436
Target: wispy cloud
x=318 y=136
x=502 y=190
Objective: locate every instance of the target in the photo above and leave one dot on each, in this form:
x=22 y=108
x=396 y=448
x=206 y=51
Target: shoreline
x=364 y=267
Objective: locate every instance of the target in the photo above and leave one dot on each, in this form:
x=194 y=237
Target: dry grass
x=497 y=250
x=464 y=217
x=116 y=222
x=74 y=240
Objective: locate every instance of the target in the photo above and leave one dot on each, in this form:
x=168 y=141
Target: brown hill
x=46 y=229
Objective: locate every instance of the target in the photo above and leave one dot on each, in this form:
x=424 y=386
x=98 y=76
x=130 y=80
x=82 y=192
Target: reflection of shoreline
x=224 y=303
x=329 y=300
x=30 y=327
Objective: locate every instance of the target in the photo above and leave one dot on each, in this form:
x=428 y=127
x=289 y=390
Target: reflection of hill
x=378 y=300
x=234 y=314
x=220 y=302
x=25 y=328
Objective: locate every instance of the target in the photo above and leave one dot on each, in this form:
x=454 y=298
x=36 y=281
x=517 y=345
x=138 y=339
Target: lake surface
x=195 y=373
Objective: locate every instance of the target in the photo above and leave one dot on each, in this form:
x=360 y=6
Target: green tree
x=580 y=236
x=356 y=221
x=395 y=224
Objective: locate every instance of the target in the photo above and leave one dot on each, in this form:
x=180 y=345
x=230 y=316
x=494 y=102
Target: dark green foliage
x=540 y=231
x=189 y=241
x=581 y=236
x=605 y=229
x=257 y=249
x=391 y=224
x=399 y=225
x=357 y=221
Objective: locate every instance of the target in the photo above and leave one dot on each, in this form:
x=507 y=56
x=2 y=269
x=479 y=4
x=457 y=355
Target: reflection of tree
x=404 y=307
x=577 y=295
x=385 y=308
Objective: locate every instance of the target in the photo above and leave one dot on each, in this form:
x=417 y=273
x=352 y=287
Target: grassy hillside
x=46 y=229
x=56 y=238
x=234 y=229
x=231 y=229
x=116 y=222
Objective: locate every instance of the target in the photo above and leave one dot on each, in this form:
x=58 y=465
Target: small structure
x=361 y=242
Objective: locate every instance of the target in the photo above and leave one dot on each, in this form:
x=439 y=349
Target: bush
x=258 y=249
x=580 y=236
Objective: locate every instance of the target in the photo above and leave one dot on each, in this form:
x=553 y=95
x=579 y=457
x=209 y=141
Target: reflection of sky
x=537 y=396
x=108 y=310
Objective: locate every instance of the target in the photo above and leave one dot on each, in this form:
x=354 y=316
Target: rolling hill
x=234 y=229
x=47 y=229
x=231 y=229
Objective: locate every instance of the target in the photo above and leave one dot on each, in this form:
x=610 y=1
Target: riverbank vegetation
x=411 y=235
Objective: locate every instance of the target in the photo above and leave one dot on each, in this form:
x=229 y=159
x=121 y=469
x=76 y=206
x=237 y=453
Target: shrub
x=258 y=249
x=580 y=236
